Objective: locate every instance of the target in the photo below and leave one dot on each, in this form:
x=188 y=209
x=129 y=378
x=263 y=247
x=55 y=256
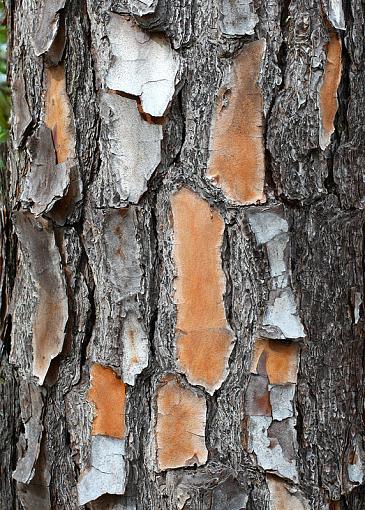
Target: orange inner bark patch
x=107 y=392
x=276 y=360
x=281 y=497
x=204 y=340
x=58 y=113
x=204 y=354
x=180 y=429
x=237 y=163
x=331 y=81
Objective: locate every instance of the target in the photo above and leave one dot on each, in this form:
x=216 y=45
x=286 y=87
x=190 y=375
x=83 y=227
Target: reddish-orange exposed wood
x=204 y=340
x=328 y=93
x=204 y=354
x=180 y=428
x=107 y=392
x=279 y=361
x=257 y=398
x=59 y=118
x=58 y=115
x=237 y=164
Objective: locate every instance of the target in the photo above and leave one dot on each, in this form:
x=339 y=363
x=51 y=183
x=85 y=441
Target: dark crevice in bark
x=183 y=125
x=86 y=271
x=361 y=321
x=14 y=441
x=329 y=182
x=282 y=64
x=284 y=14
x=294 y=203
x=180 y=103
x=11 y=246
x=283 y=50
x=155 y=278
x=269 y=179
x=6 y=337
x=355 y=500
x=302 y=444
x=10 y=430
x=91 y=319
x=10 y=420
x=74 y=93
x=87 y=174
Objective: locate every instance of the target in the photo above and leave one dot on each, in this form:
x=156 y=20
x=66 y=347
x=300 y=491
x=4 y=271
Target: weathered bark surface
x=182 y=256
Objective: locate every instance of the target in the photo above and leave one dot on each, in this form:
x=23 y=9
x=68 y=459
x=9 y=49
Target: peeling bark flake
x=356 y=465
x=267 y=224
x=229 y=495
x=47 y=182
x=36 y=493
x=130 y=150
x=237 y=163
x=114 y=253
x=107 y=392
x=281 y=400
x=328 y=92
x=335 y=13
x=142 y=64
x=21 y=117
x=34 y=496
x=31 y=402
x=38 y=244
x=47 y=26
x=238 y=17
x=60 y=120
x=135 y=348
x=204 y=340
x=271 y=422
x=285 y=497
x=142 y=7
x=107 y=472
x=180 y=427
x=274 y=452
x=281 y=318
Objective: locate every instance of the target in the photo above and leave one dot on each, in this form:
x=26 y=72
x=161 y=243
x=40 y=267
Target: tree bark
x=182 y=256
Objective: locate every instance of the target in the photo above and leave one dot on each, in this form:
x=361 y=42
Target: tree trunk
x=182 y=256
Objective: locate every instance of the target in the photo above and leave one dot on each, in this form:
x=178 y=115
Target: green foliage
x=4 y=89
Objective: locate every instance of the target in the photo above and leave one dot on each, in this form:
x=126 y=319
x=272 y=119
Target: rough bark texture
x=182 y=256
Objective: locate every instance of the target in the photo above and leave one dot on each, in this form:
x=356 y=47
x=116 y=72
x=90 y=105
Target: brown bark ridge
x=181 y=256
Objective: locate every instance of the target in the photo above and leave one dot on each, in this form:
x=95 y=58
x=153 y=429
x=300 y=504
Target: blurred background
x=4 y=89
x=4 y=101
